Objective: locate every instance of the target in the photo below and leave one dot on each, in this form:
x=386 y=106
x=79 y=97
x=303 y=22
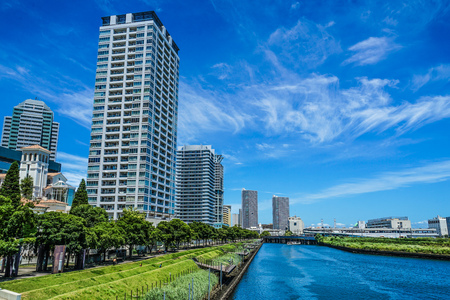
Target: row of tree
x=88 y=227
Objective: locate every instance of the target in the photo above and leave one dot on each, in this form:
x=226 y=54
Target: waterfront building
x=134 y=125
x=240 y=217
x=374 y=232
x=440 y=224
x=227 y=214
x=389 y=222
x=199 y=185
x=31 y=123
x=296 y=225
x=360 y=224
x=249 y=208
x=280 y=212
x=447 y=219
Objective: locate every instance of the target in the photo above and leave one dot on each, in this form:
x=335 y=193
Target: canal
x=282 y=271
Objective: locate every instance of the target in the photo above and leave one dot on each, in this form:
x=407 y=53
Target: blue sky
x=343 y=106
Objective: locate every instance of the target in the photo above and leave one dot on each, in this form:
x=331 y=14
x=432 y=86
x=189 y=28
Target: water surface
x=315 y=272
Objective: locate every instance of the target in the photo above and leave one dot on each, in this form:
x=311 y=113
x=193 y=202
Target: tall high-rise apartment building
x=31 y=123
x=249 y=208
x=134 y=124
x=227 y=214
x=280 y=211
x=199 y=185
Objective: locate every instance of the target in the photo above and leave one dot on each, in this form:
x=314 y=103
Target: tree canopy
x=11 y=187
x=81 y=196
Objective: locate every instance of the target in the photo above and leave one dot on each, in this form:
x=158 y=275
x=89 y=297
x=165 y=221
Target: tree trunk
x=104 y=256
x=131 y=251
x=47 y=257
x=8 y=266
x=68 y=258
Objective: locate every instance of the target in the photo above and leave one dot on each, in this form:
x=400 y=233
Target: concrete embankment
x=234 y=280
x=389 y=253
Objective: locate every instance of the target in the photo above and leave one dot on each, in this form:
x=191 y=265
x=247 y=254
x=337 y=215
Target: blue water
x=315 y=272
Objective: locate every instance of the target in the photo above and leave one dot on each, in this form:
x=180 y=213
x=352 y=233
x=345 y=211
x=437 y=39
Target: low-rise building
x=440 y=224
x=389 y=222
x=296 y=225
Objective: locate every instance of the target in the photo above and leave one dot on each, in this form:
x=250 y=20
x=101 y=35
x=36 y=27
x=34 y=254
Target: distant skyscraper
x=199 y=185
x=227 y=214
x=134 y=125
x=240 y=217
x=235 y=219
x=31 y=124
x=249 y=208
x=280 y=210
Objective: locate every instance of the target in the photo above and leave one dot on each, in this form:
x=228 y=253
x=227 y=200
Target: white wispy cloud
x=371 y=51
x=428 y=173
x=306 y=44
x=77 y=106
x=73 y=167
x=205 y=111
x=222 y=70
x=441 y=72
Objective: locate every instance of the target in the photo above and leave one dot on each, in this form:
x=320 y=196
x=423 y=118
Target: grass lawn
x=418 y=245
x=107 y=282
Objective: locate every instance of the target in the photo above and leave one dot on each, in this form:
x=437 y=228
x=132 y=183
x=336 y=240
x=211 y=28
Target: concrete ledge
x=230 y=289
x=8 y=295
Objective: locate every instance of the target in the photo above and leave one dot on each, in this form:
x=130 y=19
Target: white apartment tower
x=134 y=125
x=31 y=124
x=199 y=185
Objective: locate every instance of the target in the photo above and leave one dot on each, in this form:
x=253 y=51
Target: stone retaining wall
x=232 y=286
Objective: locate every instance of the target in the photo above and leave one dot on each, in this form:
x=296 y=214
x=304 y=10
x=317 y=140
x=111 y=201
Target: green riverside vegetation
x=417 y=245
x=111 y=281
x=179 y=289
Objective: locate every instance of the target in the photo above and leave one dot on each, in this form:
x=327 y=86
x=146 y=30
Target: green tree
x=108 y=235
x=26 y=187
x=154 y=236
x=288 y=233
x=81 y=196
x=136 y=228
x=11 y=187
x=264 y=233
x=55 y=228
x=166 y=234
x=181 y=232
x=92 y=215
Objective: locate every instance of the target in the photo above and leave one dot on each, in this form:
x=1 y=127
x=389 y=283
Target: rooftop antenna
x=321 y=221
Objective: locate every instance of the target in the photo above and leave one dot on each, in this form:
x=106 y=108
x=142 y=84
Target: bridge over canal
x=296 y=240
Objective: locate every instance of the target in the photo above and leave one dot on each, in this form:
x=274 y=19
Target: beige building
x=296 y=225
x=227 y=214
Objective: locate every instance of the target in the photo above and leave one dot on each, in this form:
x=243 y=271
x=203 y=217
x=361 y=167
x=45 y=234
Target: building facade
x=31 y=123
x=249 y=208
x=227 y=215
x=134 y=125
x=389 y=222
x=235 y=220
x=34 y=163
x=296 y=225
x=440 y=224
x=280 y=212
x=199 y=185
